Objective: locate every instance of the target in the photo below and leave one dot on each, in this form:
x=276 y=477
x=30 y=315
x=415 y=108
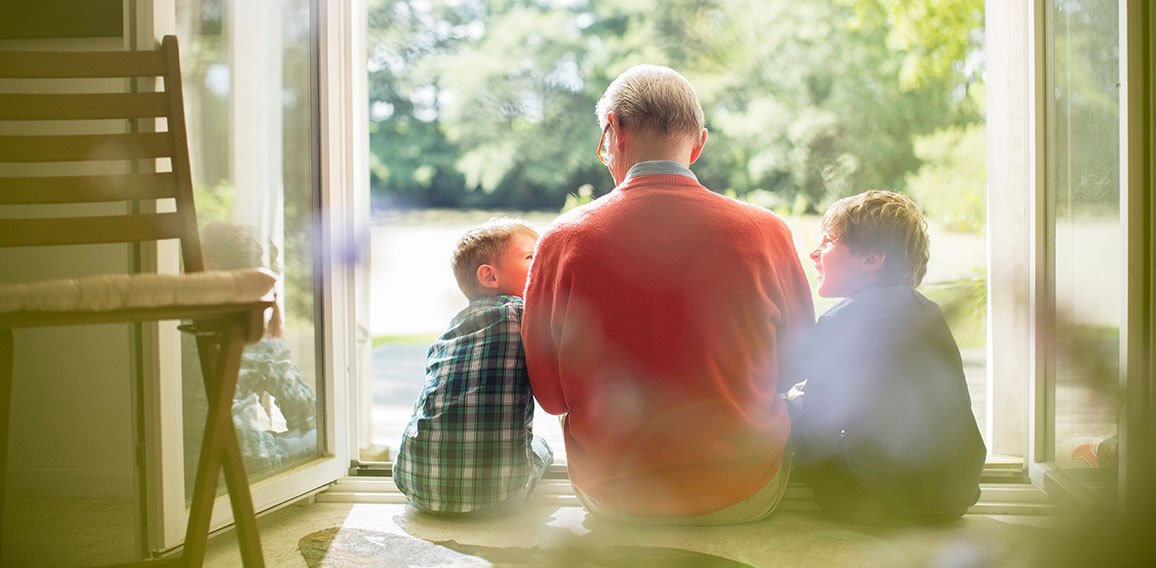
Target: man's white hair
x=654 y=98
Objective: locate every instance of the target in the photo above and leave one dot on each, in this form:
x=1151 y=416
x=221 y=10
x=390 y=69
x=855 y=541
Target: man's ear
x=697 y=150
x=487 y=277
x=873 y=260
x=618 y=134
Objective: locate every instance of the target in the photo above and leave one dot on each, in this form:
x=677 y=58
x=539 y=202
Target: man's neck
x=650 y=149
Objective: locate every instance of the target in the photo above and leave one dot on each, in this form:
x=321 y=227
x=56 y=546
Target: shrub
x=951 y=185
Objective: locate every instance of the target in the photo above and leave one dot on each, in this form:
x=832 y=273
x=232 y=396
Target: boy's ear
x=487 y=276
x=873 y=261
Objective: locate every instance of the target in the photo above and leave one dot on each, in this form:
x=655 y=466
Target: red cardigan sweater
x=658 y=318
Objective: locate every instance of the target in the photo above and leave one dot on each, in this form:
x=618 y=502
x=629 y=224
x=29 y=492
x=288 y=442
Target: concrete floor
x=64 y=533
x=354 y=534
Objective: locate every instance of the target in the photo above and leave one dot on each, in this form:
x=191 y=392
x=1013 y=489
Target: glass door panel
x=250 y=86
x=1086 y=238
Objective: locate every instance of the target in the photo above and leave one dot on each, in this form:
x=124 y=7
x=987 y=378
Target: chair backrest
x=51 y=175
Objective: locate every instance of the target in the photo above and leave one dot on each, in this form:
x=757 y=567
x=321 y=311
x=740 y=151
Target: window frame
x=341 y=176
x=1018 y=371
x=1137 y=370
x=1138 y=211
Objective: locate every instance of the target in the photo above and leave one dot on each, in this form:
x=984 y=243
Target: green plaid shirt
x=468 y=444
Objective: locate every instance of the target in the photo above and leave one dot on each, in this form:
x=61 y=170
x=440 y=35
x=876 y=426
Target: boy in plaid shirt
x=469 y=449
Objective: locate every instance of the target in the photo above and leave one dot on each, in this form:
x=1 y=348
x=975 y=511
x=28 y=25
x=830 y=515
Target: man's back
x=656 y=319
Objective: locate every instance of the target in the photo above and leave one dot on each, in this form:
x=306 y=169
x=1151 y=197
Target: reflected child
x=274 y=410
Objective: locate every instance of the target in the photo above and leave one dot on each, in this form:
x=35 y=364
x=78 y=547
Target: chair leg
x=221 y=359
x=248 y=536
x=208 y=464
x=6 y=371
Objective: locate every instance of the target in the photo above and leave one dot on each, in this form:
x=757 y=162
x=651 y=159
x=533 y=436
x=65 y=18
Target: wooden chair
x=224 y=310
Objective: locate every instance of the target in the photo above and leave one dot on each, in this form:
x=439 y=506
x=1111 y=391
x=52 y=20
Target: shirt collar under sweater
x=659 y=167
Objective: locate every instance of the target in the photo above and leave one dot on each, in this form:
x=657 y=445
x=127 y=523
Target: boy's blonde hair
x=886 y=222
x=482 y=245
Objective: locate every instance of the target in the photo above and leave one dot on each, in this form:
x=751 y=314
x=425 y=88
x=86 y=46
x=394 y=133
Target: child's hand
x=276 y=325
x=796 y=392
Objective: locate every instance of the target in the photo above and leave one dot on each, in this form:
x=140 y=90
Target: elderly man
x=658 y=320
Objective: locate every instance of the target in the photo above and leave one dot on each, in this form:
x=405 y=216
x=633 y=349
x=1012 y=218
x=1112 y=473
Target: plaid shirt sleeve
x=467 y=445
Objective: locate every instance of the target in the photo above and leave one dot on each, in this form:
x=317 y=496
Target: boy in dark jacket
x=884 y=431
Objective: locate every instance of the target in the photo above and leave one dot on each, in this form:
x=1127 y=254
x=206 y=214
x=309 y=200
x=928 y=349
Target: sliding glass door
x=250 y=93
x=261 y=145
x=1084 y=298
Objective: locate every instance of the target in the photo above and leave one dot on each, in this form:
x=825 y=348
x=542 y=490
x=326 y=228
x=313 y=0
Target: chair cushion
x=125 y=291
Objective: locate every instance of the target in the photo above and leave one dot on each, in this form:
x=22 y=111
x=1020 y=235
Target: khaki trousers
x=754 y=508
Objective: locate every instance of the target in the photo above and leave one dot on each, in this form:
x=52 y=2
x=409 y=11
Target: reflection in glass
x=249 y=98
x=1084 y=223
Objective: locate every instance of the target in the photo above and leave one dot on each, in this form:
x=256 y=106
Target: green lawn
x=954 y=279
x=964 y=305
x=415 y=339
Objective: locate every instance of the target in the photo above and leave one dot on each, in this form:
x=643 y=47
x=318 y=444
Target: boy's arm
x=542 y=323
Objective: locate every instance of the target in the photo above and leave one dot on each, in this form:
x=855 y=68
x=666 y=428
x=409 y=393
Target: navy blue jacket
x=886 y=402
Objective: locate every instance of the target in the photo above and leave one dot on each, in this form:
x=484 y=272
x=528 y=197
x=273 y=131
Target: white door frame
x=342 y=173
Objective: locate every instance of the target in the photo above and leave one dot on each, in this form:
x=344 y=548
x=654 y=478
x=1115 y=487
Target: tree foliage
x=951 y=185
x=478 y=103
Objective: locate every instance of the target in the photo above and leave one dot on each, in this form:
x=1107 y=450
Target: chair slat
x=65 y=64
x=90 y=230
x=87 y=189
x=85 y=147
x=82 y=106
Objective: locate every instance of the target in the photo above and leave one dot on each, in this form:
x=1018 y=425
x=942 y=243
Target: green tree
x=490 y=104
x=951 y=185
x=412 y=161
